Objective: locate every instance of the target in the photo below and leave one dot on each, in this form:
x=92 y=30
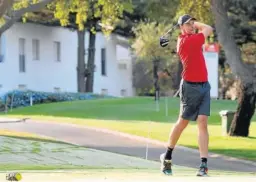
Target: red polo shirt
x=189 y=49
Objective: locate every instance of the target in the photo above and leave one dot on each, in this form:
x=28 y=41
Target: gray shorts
x=194 y=99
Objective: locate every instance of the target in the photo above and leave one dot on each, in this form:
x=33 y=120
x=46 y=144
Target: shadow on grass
x=252 y=138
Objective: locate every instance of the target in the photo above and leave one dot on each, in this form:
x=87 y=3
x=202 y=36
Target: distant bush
x=23 y=98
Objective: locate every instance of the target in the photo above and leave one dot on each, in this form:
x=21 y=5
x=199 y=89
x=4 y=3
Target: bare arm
x=205 y=29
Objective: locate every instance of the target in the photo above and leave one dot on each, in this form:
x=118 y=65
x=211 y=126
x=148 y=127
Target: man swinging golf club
x=194 y=90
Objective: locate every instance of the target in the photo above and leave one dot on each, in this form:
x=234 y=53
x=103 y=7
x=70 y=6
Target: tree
x=244 y=71
x=123 y=18
x=232 y=48
x=12 y=10
x=4 y=6
x=131 y=19
x=146 y=37
x=146 y=47
x=89 y=15
x=241 y=15
x=142 y=77
x=82 y=16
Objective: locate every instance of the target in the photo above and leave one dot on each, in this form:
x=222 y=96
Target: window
x=22 y=63
x=103 y=62
x=57 y=53
x=36 y=49
x=123 y=92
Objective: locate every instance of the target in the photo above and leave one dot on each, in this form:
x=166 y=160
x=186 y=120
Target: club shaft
x=168 y=31
x=171 y=29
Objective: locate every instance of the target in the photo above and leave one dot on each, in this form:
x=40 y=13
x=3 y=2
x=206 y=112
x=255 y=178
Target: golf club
x=165 y=41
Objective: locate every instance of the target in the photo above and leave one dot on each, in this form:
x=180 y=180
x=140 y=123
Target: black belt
x=196 y=83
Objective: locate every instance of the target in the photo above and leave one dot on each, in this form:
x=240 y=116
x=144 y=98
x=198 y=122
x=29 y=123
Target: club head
x=164 y=42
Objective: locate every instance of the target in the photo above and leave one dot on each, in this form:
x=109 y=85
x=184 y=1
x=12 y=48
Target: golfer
x=194 y=91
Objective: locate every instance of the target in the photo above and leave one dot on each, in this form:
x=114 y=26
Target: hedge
x=22 y=98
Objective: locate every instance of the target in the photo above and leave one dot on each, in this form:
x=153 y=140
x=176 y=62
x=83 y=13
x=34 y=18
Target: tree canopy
x=108 y=12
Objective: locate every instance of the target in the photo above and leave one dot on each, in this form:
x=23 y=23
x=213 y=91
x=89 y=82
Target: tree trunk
x=246 y=73
x=90 y=63
x=156 y=79
x=226 y=39
x=81 y=61
x=245 y=111
x=178 y=75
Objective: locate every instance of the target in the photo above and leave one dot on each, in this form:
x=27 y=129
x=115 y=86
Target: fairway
x=141 y=108
x=139 y=116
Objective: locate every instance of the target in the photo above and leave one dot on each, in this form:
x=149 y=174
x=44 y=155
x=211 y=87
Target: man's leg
x=203 y=142
x=174 y=136
x=173 y=139
x=203 y=136
x=188 y=111
x=177 y=129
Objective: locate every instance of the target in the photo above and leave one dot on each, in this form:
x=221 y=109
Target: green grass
x=138 y=115
x=143 y=109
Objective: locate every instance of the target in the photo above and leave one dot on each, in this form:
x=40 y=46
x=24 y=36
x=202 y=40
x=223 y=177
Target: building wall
x=117 y=81
x=125 y=70
x=48 y=74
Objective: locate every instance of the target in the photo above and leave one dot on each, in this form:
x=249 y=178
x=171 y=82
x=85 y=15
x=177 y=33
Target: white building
x=42 y=58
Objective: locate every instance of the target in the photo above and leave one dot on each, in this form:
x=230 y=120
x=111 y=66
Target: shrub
x=23 y=98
